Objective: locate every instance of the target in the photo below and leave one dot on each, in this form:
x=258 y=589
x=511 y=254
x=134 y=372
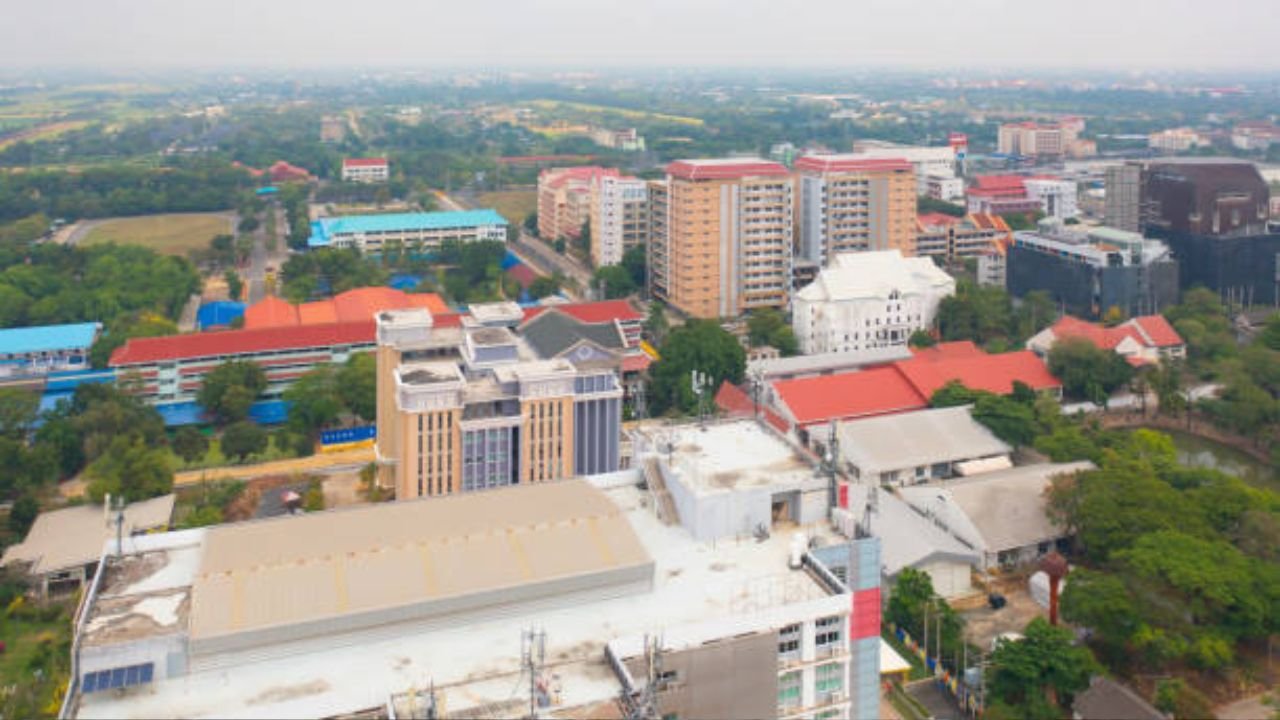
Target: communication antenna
x=117 y=504
x=644 y=704
x=533 y=655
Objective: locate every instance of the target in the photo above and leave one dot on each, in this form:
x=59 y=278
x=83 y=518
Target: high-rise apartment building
x=471 y=408
x=848 y=203
x=724 y=244
x=564 y=200
x=619 y=217
x=1124 y=192
x=657 y=254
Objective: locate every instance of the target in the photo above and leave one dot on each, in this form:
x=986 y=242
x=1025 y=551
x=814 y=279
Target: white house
x=1058 y=198
x=866 y=301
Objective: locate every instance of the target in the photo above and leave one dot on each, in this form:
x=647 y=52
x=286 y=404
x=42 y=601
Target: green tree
x=358 y=386
x=1039 y=674
x=190 y=444
x=18 y=409
x=635 y=262
x=1101 y=602
x=700 y=345
x=235 y=286
x=1010 y=420
x=531 y=223
x=315 y=400
x=613 y=281
x=131 y=470
x=926 y=204
x=655 y=323
x=230 y=389
x=242 y=439
x=1088 y=372
x=767 y=326
x=921 y=339
x=125 y=327
x=544 y=286
x=23 y=514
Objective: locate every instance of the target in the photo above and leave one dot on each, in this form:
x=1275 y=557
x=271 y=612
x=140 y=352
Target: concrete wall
x=168 y=653
x=721 y=515
x=732 y=678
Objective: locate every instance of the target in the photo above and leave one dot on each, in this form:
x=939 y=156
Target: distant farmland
x=170 y=234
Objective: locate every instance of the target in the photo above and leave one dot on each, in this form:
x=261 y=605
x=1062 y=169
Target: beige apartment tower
x=849 y=203
x=724 y=244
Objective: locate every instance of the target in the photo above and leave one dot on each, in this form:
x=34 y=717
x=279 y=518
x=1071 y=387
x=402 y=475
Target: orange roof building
x=1143 y=340
x=359 y=305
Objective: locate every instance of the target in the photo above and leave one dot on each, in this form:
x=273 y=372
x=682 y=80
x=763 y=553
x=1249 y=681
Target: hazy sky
x=1110 y=34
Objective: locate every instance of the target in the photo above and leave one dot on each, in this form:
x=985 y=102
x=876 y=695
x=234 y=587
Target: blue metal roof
x=48 y=338
x=323 y=230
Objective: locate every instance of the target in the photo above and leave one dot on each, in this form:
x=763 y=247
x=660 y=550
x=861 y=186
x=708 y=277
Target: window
x=830 y=633
x=830 y=679
x=789 y=690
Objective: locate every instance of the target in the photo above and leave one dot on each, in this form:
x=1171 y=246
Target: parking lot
x=983 y=624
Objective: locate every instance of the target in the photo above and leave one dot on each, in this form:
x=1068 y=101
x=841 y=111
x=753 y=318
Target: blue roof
x=324 y=229
x=48 y=338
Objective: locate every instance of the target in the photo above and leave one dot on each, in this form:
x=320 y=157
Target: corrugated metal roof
x=324 y=229
x=48 y=338
x=75 y=536
x=908 y=440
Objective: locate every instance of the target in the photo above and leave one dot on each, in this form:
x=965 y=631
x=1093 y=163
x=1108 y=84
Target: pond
x=1196 y=451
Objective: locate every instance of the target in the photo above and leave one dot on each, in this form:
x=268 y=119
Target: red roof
x=637 y=362
x=522 y=274
x=735 y=402
x=560 y=176
x=953 y=350
x=1158 y=330
x=989 y=182
x=934 y=219
x=725 y=170
x=876 y=391
x=993 y=373
x=591 y=312
x=851 y=163
x=138 y=351
x=363 y=162
x=358 y=305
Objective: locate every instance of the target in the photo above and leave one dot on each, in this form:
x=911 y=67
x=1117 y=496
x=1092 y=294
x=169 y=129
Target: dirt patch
x=289 y=692
x=246 y=506
x=342 y=489
x=983 y=624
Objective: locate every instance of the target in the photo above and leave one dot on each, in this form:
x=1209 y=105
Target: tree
x=544 y=286
x=230 y=389
x=190 y=444
x=1113 y=316
x=314 y=400
x=223 y=249
x=655 y=324
x=954 y=394
x=18 y=408
x=766 y=326
x=358 y=386
x=636 y=263
x=127 y=326
x=1087 y=371
x=1039 y=674
x=235 y=286
x=1010 y=420
x=613 y=281
x=926 y=204
x=583 y=241
x=700 y=345
x=242 y=439
x=131 y=470
x=1100 y=601
x=531 y=223
x=23 y=514
x=921 y=339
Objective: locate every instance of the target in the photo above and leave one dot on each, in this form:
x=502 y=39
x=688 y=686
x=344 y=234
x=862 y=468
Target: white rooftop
x=476 y=661
x=907 y=538
x=875 y=274
x=908 y=440
x=728 y=456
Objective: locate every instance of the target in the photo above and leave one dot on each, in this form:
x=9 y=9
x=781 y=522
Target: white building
x=1057 y=197
x=1175 y=140
x=926 y=160
x=943 y=187
x=365 y=170
x=415 y=232
x=919 y=447
x=867 y=301
x=619 y=217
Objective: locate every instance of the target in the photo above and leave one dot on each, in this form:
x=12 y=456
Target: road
x=937 y=701
x=260 y=258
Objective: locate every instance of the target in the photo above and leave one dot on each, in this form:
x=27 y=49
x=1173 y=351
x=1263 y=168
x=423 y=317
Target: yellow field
x=170 y=234
x=624 y=112
x=43 y=132
x=514 y=205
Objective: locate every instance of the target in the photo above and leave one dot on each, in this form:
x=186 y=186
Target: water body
x=1196 y=451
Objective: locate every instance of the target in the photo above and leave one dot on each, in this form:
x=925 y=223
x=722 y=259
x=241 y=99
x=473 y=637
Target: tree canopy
x=230 y=389
x=1038 y=675
x=1087 y=371
x=767 y=326
x=700 y=345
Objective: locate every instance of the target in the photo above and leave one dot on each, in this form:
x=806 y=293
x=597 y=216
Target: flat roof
x=475 y=662
x=729 y=456
x=74 y=536
x=726 y=169
x=908 y=440
x=48 y=338
x=297 y=569
x=324 y=229
x=146 y=592
x=215 y=345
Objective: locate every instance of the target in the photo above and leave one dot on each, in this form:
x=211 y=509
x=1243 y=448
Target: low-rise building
x=1148 y=339
x=1002 y=515
x=951 y=239
x=944 y=187
x=919 y=447
x=365 y=170
x=1058 y=198
x=63 y=547
x=1255 y=136
x=32 y=352
x=358 y=305
x=1175 y=140
x=414 y=232
x=868 y=300
x=1106 y=699
x=927 y=161
x=415 y=607
x=1089 y=271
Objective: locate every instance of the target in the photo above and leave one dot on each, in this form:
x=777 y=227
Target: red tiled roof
x=591 y=312
x=999 y=182
x=237 y=342
x=735 y=402
x=935 y=219
x=560 y=176
x=638 y=362
x=876 y=391
x=363 y=162
x=703 y=170
x=846 y=163
x=271 y=311
x=1158 y=330
x=358 y=305
x=993 y=373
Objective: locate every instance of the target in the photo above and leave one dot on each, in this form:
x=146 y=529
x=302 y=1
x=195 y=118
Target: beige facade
x=728 y=237
x=564 y=200
x=848 y=203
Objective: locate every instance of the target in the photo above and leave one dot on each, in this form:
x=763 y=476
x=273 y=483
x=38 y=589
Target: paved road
x=547 y=255
x=937 y=701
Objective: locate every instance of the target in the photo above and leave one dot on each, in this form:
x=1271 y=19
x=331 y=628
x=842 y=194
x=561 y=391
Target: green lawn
x=514 y=205
x=36 y=658
x=176 y=234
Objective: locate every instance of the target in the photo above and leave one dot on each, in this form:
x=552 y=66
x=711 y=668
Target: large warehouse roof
x=48 y=338
x=396 y=557
x=908 y=440
x=74 y=536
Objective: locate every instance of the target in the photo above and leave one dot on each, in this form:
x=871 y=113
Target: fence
x=348 y=438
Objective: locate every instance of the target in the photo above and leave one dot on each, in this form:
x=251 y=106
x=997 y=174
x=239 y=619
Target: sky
x=1116 y=35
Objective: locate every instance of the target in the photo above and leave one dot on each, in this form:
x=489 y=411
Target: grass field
x=514 y=205
x=624 y=112
x=170 y=234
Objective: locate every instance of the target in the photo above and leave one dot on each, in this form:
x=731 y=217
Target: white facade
x=365 y=172
x=926 y=160
x=619 y=215
x=1174 y=140
x=870 y=300
x=1057 y=197
x=943 y=187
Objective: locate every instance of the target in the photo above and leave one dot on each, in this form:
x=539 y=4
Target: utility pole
x=644 y=704
x=533 y=652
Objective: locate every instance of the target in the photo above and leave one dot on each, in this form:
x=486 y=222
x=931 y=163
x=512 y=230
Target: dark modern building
x=1213 y=212
x=1087 y=273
